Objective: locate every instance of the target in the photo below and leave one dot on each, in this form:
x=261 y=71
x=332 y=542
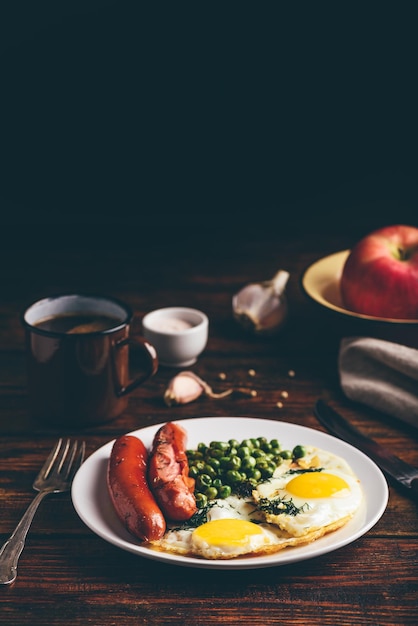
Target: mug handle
x=152 y=362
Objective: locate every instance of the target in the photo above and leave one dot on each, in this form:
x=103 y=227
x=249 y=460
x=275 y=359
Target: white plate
x=92 y=503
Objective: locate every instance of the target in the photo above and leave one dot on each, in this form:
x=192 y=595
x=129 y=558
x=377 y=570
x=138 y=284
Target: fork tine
x=47 y=466
x=59 y=460
x=65 y=459
x=72 y=460
x=77 y=461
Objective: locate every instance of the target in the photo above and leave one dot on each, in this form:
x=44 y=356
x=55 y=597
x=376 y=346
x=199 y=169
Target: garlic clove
x=186 y=387
x=183 y=388
x=262 y=307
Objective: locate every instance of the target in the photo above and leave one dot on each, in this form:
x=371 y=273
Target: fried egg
x=301 y=502
x=212 y=536
x=228 y=537
x=319 y=492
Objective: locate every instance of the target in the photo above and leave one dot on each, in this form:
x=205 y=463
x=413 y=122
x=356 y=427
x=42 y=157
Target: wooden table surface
x=69 y=575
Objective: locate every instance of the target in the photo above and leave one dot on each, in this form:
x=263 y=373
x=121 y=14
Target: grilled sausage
x=168 y=473
x=129 y=491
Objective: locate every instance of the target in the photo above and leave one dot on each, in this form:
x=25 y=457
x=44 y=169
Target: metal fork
x=55 y=476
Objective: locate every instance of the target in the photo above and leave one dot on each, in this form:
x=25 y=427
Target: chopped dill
x=279 y=506
x=198 y=518
x=304 y=471
x=244 y=489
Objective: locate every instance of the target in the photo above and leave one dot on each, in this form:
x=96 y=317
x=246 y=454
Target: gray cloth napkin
x=380 y=374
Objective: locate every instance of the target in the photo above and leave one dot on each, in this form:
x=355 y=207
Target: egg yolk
x=316 y=485
x=230 y=532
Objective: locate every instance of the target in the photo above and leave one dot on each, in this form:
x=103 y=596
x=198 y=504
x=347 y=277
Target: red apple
x=380 y=275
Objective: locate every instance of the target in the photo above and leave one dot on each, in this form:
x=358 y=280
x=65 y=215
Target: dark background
x=139 y=122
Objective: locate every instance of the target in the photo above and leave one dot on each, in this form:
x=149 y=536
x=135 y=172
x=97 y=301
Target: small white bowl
x=179 y=334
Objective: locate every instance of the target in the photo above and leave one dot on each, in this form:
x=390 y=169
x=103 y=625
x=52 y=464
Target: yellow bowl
x=320 y=282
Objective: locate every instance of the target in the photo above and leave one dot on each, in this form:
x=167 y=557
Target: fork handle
x=12 y=549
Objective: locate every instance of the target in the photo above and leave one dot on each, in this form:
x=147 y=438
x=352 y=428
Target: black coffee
x=77 y=323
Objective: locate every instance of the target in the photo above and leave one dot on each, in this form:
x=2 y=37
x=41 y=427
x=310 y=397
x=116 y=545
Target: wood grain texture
x=68 y=575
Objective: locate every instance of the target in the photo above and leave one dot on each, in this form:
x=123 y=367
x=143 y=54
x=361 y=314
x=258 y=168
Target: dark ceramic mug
x=78 y=359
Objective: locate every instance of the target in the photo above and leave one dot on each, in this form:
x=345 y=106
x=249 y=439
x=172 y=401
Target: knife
x=394 y=468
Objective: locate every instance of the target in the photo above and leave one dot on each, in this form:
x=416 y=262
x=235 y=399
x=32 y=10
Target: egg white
x=314 y=513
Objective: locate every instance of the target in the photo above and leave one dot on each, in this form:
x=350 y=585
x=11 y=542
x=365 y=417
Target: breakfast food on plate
x=168 y=473
x=128 y=488
x=254 y=498
x=146 y=490
x=303 y=498
x=318 y=495
x=380 y=275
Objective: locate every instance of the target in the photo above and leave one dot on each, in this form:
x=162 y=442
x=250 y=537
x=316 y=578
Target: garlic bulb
x=262 y=307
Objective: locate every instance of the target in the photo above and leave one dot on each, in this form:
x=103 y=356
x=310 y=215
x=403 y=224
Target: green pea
x=202 y=447
x=258 y=453
x=210 y=471
x=268 y=471
x=233 y=451
x=255 y=442
x=243 y=451
x=299 y=452
x=248 y=462
x=233 y=443
x=217 y=482
x=203 y=481
x=200 y=465
x=220 y=445
x=261 y=464
x=193 y=471
x=234 y=463
x=246 y=443
x=286 y=454
x=215 y=453
x=233 y=477
x=254 y=474
x=201 y=500
x=224 y=461
x=275 y=444
x=224 y=491
x=211 y=493
x=215 y=463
